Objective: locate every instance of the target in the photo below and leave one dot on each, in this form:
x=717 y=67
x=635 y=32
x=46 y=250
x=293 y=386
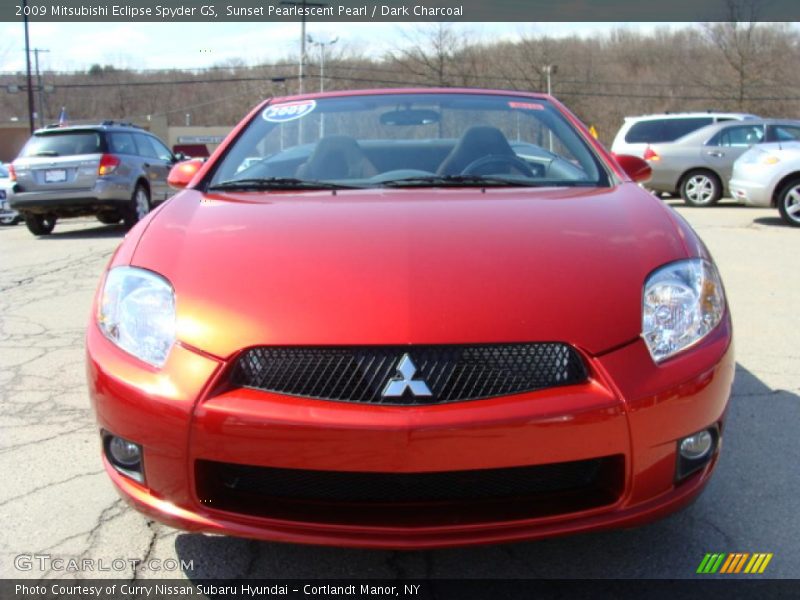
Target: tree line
x=731 y=66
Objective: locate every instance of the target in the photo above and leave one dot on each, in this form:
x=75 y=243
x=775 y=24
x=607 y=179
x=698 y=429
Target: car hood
x=410 y=266
x=790 y=149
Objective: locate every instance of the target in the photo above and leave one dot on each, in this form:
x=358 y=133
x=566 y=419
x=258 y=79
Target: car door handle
x=716 y=153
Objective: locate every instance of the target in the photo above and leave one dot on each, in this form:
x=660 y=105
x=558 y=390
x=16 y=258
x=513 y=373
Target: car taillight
x=650 y=154
x=12 y=174
x=108 y=163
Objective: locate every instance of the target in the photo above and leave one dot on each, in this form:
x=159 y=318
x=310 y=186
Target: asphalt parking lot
x=56 y=501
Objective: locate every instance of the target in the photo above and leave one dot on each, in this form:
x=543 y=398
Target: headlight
x=137 y=313
x=681 y=304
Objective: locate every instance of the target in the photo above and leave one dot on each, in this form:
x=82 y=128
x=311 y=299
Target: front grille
x=451 y=373
x=449 y=496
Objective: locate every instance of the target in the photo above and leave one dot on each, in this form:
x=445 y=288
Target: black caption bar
x=401 y=10
x=471 y=589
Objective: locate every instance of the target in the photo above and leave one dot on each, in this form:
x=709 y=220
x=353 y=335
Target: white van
x=637 y=133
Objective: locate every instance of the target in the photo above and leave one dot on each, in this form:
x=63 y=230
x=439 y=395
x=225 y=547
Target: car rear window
x=664 y=130
x=63 y=144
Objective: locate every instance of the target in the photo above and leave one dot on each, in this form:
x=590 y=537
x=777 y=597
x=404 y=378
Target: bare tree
x=431 y=53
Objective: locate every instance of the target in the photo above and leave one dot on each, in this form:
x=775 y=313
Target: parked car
x=637 y=133
x=7 y=216
x=115 y=171
x=769 y=175
x=699 y=165
x=396 y=330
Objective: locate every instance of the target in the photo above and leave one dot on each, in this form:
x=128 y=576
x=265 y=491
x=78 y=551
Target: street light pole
x=28 y=65
x=39 y=84
x=549 y=71
x=321 y=45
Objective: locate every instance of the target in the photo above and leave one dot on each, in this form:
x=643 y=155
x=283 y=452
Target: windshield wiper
x=278 y=183
x=46 y=153
x=460 y=180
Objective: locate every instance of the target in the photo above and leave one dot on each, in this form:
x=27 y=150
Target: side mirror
x=182 y=173
x=179 y=157
x=635 y=167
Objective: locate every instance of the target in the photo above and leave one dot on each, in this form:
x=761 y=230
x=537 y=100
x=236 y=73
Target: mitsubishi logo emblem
x=404 y=380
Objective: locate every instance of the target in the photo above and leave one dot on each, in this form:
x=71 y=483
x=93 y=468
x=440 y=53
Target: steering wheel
x=498 y=160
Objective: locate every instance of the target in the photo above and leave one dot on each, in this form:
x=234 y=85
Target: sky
x=77 y=46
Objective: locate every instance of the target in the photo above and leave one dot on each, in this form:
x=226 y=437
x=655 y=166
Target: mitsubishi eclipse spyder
x=410 y=318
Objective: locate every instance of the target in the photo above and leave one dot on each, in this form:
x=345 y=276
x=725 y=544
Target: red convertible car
x=410 y=319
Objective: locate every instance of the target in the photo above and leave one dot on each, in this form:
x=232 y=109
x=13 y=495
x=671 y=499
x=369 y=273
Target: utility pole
x=39 y=84
x=28 y=65
x=303 y=8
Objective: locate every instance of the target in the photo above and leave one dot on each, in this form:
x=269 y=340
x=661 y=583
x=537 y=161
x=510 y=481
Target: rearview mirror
x=410 y=116
x=634 y=167
x=182 y=173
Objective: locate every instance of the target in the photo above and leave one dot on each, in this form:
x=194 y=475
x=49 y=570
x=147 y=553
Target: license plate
x=55 y=175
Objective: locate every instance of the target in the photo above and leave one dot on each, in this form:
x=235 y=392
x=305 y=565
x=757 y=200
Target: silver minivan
x=115 y=171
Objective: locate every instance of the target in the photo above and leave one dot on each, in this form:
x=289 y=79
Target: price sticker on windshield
x=526 y=105
x=288 y=111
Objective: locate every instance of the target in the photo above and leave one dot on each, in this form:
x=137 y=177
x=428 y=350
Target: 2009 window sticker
x=288 y=111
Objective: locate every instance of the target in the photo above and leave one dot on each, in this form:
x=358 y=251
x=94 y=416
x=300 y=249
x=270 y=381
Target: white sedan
x=769 y=175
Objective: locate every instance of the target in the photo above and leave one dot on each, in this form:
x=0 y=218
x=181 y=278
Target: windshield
x=409 y=139
x=63 y=144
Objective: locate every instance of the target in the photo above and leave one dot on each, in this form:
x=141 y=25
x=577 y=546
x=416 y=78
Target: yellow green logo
x=736 y=562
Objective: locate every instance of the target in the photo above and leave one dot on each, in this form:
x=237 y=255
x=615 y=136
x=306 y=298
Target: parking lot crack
x=7 y=449
x=49 y=486
x=137 y=569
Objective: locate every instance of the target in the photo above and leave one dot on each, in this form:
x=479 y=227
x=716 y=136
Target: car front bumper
x=630 y=412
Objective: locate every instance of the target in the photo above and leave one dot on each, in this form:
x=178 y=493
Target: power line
x=372 y=69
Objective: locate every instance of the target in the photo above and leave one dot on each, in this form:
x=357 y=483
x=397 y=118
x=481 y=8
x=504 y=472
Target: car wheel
x=40 y=224
x=138 y=207
x=109 y=218
x=789 y=203
x=8 y=221
x=701 y=188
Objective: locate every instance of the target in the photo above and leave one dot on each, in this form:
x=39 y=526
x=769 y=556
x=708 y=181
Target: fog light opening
x=696 y=446
x=125 y=456
x=695 y=451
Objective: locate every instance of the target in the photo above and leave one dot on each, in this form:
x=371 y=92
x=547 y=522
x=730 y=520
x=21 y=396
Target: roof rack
x=104 y=123
x=121 y=123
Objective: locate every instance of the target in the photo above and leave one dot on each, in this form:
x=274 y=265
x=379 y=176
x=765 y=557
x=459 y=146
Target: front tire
x=40 y=224
x=789 y=203
x=701 y=188
x=138 y=207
